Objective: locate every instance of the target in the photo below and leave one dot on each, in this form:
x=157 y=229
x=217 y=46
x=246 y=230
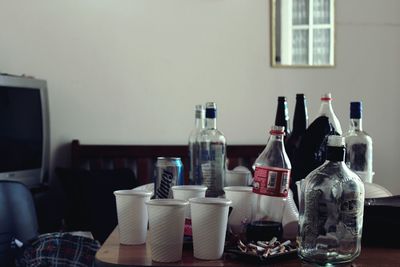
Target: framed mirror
x=302 y=33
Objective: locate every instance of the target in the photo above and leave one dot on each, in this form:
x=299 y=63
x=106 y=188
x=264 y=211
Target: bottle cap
x=355 y=110
x=281 y=98
x=336 y=140
x=199 y=112
x=326 y=97
x=277 y=130
x=211 y=110
x=300 y=96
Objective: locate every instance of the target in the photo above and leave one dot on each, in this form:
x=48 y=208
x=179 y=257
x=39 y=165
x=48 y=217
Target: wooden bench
x=141 y=158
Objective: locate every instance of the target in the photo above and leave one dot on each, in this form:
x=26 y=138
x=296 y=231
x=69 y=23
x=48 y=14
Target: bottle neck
x=282 y=115
x=335 y=154
x=356 y=124
x=276 y=140
x=300 y=120
x=199 y=123
x=326 y=107
x=211 y=123
x=274 y=153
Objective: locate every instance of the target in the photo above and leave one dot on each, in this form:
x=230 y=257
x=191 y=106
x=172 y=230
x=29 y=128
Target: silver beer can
x=169 y=172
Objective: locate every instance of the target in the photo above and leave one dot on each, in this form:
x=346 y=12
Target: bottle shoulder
x=195 y=132
x=326 y=110
x=294 y=136
x=273 y=155
x=194 y=135
x=354 y=136
x=331 y=173
x=211 y=135
x=354 y=132
x=210 y=131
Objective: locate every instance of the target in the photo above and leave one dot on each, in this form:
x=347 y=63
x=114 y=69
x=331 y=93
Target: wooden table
x=114 y=254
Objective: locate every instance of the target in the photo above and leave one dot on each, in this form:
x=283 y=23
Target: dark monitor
x=24 y=130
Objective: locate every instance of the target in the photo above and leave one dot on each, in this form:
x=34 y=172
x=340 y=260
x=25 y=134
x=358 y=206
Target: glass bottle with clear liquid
x=271 y=186
x=359 y=145
x=326 y=109
x=331 y=210
x=212 y=154
x=194 y=156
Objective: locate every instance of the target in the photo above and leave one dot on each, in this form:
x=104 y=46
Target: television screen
x=21 y=132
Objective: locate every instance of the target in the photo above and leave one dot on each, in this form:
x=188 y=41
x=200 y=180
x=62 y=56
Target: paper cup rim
x=130 y=192
x=167 y=202
x=190 y=187
x=238 y=188
x=240 y=171
x=211 y=201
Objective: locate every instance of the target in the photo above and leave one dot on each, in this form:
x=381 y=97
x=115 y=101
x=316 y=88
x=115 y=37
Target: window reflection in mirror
x=302 y=33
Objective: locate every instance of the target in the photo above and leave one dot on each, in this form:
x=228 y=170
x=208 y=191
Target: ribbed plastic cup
x=209 y=222
x=237 y=177
x=242 y=198
x=185 y=192
x=132 y=216
x=166 y=224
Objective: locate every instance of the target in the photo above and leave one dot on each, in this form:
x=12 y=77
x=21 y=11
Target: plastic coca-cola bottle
x=326 y=110
x=271 y=186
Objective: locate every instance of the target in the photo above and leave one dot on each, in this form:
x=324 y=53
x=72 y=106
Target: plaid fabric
x=59 y=249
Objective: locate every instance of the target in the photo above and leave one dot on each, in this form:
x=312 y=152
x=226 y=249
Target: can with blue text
x=169 y=172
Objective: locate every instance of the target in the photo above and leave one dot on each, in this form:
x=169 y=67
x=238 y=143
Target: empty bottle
x=300 y=123
x=212 y=154
x=271 y=185
x=194 y=156
x=331 y=210
x=326 y=109
x=359 y=145
x=282 y=115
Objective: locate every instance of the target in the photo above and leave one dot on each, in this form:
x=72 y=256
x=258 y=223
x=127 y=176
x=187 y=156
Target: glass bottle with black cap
x=331 y=210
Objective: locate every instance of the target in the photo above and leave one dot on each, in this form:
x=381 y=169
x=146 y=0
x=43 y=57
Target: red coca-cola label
x=271 y=181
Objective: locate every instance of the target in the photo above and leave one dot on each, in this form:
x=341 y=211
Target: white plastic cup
x=237 y=177
x=185 y=192
x=132 y=216
x=209 y=222
x=166 y=224
x=242 y=198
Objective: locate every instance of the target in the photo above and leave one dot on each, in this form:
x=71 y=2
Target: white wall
x=131 y=71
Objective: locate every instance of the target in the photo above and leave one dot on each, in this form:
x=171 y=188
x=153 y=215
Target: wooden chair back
x=141 y=158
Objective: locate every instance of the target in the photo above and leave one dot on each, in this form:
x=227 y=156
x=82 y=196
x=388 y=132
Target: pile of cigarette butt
x=266 y=249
